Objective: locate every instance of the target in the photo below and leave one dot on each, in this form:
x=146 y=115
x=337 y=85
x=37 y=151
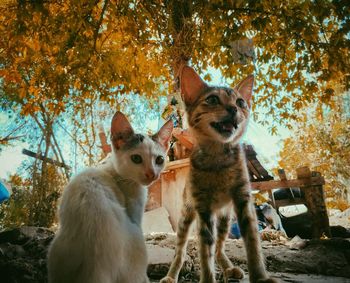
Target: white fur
x=148 y=149
x=100 y=238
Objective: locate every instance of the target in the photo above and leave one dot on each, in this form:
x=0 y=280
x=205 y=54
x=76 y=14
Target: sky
x=266 y=145
x=10 y=160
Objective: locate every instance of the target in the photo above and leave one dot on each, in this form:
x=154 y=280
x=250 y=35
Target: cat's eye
x=136 y=158
x=241 y=103
x=213 y=100
x=159 y=160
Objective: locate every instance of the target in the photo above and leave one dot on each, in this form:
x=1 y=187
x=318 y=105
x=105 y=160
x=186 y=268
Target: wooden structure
x=168 y=190
x=43 y=158
x=106 y=148
x=311 y=195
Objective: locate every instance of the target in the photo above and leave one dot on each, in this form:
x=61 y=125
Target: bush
x=34 y=200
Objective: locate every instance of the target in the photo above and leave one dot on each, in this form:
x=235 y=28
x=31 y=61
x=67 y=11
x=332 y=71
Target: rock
x=11 y=236
x=23 y=255
x=296 y=243
x=159 y=255
x=159 y=259
x=156 y=220
x=23 y=234
x=161 y=252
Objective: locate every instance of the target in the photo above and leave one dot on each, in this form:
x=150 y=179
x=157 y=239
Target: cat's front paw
x=167 y=279
x=233 y=273
x=269 y=280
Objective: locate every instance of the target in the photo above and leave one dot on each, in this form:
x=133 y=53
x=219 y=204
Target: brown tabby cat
x=218 y=177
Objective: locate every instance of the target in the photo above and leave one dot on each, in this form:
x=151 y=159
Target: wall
x=172 y=186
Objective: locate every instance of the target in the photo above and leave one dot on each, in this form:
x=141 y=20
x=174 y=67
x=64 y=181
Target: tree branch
x=60 y=154
x=73 y=138
x=8 y=137
x=104 y=8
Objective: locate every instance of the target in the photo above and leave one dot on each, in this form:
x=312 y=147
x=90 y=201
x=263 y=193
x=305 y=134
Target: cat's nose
x=150 y=175
x=232 y=110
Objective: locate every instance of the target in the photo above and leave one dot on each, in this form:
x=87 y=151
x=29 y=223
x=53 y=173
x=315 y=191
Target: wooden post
x=319 y=198
x=106 y=148
x=43 y=158
x=315 y=202
x=283 y=177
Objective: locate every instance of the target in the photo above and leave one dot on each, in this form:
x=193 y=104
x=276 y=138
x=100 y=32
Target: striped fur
x=218 y=180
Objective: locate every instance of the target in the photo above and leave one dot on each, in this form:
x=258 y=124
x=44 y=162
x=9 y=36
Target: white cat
x=100 y=238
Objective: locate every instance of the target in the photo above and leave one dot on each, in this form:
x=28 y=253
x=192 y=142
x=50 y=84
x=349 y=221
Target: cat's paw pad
x=269 y=280
x=233 y=273
x=167 y=279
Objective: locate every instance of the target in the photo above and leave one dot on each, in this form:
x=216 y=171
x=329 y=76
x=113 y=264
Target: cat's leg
x=206 y=233
x=186 y=219
x=226 y=265
x=247 y=221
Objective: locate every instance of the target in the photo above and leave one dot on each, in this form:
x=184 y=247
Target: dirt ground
x=23 y=257
x=290 y=261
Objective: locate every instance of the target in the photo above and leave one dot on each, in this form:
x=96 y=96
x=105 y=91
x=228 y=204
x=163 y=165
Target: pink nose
x=150 y=175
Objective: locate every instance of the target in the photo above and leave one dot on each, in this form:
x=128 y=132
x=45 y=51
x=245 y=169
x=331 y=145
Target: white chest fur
x=100 y=216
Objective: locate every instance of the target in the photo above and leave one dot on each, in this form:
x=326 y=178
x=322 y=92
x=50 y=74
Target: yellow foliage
x=322 y=144
x=51 y=47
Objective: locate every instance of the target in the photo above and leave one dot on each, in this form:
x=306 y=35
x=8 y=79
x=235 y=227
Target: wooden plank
x=184 y=138
x=249 y=151
x=43 y=158
x=283 y=177
x=106 y=148
x=262 y=171
x=269 y=185
x=282 y=174
x=254 y=164
x=169 y=176
x=177 y=164
x=303 y=172
x=253 y=171
x=252 y=177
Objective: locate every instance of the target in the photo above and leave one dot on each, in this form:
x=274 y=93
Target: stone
x=296 y=243
x=159 y=255
x=156 y=220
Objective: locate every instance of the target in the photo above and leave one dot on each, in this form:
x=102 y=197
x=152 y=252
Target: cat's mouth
x=225 y=127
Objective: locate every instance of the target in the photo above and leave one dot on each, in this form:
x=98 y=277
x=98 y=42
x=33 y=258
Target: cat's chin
x=146 y=182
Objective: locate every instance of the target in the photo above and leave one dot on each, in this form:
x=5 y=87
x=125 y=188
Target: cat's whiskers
x=206 y=120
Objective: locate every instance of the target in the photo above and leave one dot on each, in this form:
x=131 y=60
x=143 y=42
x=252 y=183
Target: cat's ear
x=191 y=85
x=245 y=88
x=164 y=134
x=121 y=130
